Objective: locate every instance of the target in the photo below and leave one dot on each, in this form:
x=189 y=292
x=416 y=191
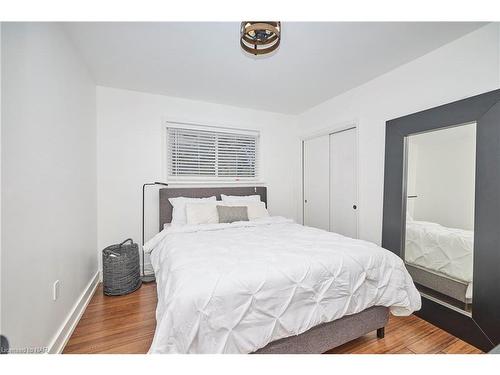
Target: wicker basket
x=120 y=268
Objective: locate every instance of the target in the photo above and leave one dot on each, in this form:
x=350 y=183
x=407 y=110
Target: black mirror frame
x=483 y=328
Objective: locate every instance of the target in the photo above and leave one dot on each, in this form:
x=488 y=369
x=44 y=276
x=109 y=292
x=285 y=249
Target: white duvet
x=234 y=288
x=447 y=251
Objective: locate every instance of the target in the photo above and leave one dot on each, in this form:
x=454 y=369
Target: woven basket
x=120 y=268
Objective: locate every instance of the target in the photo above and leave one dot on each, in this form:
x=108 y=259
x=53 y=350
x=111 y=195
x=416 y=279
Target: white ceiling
x=203 y=61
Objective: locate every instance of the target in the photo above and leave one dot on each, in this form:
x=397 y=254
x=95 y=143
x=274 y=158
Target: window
x=195 y=152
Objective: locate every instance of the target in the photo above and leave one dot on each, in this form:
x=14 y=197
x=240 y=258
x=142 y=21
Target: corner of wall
x=497 y=24
x=1 y=330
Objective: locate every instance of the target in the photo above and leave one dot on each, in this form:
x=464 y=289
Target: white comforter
x=233 y=288
x=444 y=250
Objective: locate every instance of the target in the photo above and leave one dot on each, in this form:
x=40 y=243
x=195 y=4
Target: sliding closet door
x=316 y=182
x=343 y=183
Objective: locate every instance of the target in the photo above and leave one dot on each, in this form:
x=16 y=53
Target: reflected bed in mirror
x=439 y=205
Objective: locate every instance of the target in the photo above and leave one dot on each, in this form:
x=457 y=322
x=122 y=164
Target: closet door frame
x=337 y=128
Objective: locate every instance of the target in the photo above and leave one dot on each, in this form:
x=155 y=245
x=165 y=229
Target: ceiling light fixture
x=260 y=37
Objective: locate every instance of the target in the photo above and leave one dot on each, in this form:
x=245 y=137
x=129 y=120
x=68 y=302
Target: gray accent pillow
x=230 y=214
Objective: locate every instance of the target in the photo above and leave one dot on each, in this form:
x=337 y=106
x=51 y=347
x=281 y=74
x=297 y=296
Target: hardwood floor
x=126 y=324
x=408 y=335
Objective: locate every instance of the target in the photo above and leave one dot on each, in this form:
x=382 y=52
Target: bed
x=268 y=285
x=440 y=258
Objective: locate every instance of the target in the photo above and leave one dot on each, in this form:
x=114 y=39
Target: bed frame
x=316 y=340
x=443 y=284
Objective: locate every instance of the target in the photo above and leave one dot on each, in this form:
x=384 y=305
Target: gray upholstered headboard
x=203 y=192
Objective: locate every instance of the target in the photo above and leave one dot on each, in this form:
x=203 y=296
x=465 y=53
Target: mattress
x=442 y=250
x=234 y=288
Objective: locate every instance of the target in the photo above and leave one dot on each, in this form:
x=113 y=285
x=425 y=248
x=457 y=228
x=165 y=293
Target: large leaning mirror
x=442 y=212
x=439 y=224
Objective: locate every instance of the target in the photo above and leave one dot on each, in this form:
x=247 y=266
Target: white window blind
x=211 y=153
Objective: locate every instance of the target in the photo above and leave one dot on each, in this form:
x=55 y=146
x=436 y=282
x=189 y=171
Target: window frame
x=208 y=179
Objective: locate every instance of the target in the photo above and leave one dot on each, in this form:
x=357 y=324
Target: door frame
x=336 y=128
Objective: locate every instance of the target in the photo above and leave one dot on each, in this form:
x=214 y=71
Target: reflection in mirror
x=440 y=182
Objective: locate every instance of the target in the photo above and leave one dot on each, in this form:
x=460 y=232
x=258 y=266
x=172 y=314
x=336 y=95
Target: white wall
x=129 y=153
x=1 y=330
x=442 y=176
x=48 y=181
x=465 y=67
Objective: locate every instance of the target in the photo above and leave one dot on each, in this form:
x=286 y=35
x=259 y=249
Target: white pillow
x=202 y=213
x=206 y=212
x=240 y=198
x=256 y=210
x=179 y=205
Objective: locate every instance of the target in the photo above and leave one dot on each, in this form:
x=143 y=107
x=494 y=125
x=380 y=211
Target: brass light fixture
x=260 y=37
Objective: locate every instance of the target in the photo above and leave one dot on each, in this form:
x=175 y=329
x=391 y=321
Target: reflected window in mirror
x=439 y=205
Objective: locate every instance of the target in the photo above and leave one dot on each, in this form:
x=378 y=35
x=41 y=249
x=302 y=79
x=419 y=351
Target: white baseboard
x=59 y=342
